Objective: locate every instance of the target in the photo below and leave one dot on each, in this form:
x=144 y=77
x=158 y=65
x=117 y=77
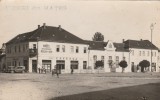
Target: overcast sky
x=116 y=20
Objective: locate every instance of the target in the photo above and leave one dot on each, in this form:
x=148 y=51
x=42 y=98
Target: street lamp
x=88 y=55
x=151 y=27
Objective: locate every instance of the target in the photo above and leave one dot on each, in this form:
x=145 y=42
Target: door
x=25 y=63
x=34 y=66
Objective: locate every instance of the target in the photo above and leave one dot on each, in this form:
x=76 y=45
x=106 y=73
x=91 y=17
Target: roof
x=141 y=44
x=120 y=47
x=96 y=45
x=47 y=33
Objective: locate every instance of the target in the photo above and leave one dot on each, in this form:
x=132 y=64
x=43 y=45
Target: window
x=63 y=48
x=139 y=53
x=94 y=60
x=34 y=46
x=155 y=54
x=85 y=50
x=19 y=48
x=47 y=65
x=57 y=48
x=23 y=47
x=84 y=64
x=102 y=58
x=117 y=61
x=72 y=49
x=148 y=53
x=74 y=64
x=110 y=45
x=77 y=49
x=110 y=57
x=15 y=48
x=143 y=53
x=60 y=64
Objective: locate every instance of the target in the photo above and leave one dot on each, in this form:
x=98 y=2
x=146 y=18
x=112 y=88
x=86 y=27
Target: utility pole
x=151 y=27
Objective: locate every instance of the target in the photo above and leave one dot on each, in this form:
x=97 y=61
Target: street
x=106 y=86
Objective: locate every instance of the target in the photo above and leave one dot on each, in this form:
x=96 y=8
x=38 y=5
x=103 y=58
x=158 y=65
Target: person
x=71 y=70
x=55 y=71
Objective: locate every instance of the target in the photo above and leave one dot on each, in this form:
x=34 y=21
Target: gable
x=110 y=46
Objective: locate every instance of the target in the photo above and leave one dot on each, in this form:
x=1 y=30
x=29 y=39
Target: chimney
x=123 y=40
x=44 y=25
x=141 y=40
x=59 y=27
x=39 y=26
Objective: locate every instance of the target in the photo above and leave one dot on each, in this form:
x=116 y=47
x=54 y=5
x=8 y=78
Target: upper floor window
x=77 y=49
x=143 y=53
x=155 y=54
x=57 y=48
x=63 y=48
x=34 y=46
x=72 y=49
x=148 y=53
x=19 y=48
x=23 y=47
x=139 y=53
x=85 y=50
x=94 y=57
x=15 y=49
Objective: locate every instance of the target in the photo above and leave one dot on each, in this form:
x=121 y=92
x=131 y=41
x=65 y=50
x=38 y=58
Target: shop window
x=60 y=64
x=74 y=64
x=47 y=65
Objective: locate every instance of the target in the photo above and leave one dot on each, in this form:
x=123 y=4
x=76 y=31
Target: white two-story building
x=48 y=46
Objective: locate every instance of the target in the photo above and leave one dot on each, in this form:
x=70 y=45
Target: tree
x=123 y=64
x=98 y=37
x=144 y=64
x=99 y=64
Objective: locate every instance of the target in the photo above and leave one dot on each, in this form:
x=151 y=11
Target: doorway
x=34 y=66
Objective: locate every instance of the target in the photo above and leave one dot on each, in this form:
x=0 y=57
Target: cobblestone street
x=107 y=86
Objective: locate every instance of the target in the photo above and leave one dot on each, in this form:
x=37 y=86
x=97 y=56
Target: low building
x=48 y=46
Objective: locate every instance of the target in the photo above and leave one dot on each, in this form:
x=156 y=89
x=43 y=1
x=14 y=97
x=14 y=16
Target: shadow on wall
x=149 y=91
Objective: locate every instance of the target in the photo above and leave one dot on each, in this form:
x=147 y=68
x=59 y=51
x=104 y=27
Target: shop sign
x=46 y=48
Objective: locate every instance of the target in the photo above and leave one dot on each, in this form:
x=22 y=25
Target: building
x=2 y=58
x=48 y=46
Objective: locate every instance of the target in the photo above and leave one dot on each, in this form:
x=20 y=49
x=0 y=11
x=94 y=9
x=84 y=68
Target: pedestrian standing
x=71 y=70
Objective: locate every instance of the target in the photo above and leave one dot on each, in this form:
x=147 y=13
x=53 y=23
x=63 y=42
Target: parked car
x=19 y=69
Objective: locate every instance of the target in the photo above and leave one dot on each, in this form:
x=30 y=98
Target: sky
x=116 y=20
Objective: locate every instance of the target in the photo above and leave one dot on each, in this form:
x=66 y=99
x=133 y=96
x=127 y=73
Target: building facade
x=48 y=46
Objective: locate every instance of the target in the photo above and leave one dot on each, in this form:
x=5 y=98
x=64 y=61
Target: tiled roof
x=120 y=47
x=48 y=33
x=142 y=44
x=96 y=45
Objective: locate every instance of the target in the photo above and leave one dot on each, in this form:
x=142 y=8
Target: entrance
x=34 y=66
x=60 y=65
x=47 y=65
x=25 y=63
